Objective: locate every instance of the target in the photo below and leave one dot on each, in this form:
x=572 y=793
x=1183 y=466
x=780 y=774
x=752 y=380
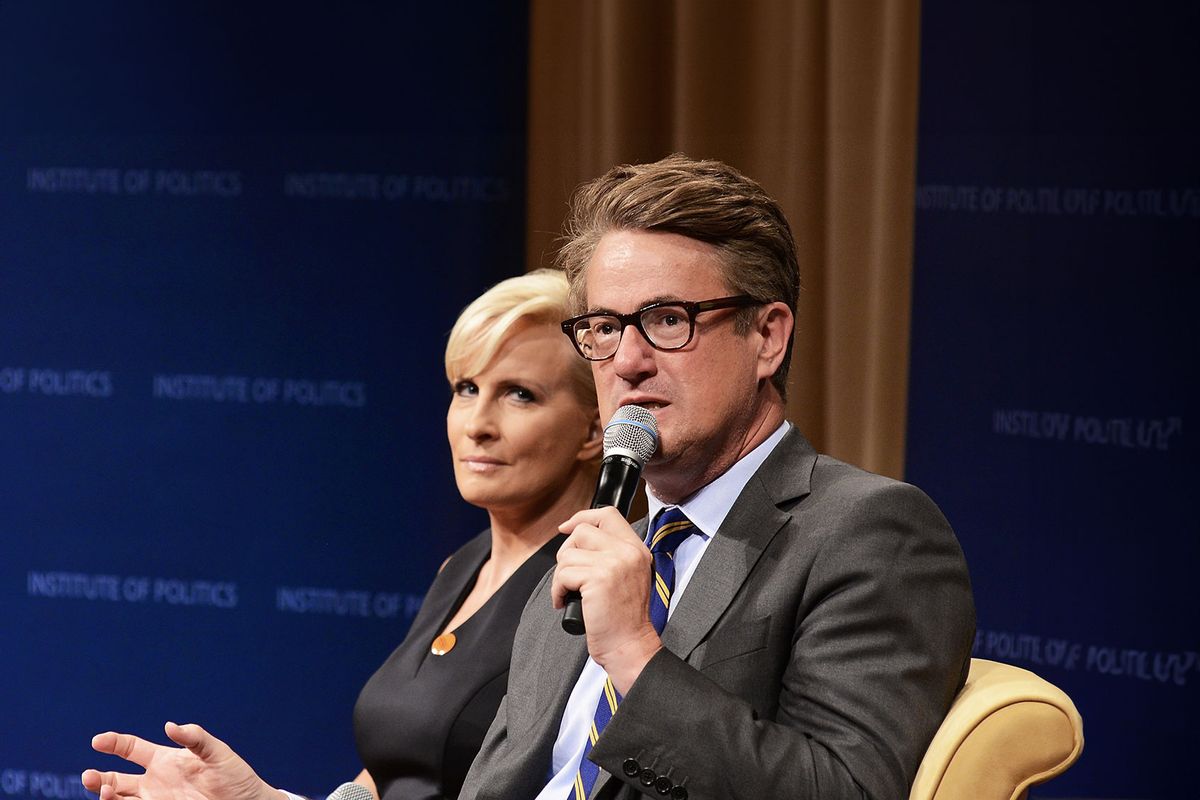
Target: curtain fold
x=816 y=100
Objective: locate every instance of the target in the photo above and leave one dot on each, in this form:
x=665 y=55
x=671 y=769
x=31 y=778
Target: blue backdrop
x=1054 y=357
x=232 y=241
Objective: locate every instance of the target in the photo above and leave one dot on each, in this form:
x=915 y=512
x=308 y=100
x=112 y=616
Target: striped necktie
x=672 y=528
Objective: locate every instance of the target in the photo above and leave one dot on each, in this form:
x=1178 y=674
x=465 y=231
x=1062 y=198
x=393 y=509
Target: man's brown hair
x=704 y=200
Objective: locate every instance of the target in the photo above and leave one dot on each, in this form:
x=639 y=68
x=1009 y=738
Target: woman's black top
x=421 y=718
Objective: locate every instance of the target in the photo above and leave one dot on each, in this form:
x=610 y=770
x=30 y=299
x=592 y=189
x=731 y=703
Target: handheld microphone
x=630 y=438
x=351 y=791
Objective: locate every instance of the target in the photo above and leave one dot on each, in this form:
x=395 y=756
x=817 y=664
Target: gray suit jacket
x=816 y=650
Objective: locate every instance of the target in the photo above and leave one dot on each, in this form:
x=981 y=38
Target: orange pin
x=443 y=644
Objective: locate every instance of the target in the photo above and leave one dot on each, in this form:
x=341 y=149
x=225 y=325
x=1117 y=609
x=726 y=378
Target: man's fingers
x=580 y=536
x=91 y=780
x=590 y=542
x=110 y=784
x=579 y=556
x=559 y=589
x=566 y=579
x=574 y=520
x=606 y=517
x=126 y=745
x=202 y=743
x=586 y=536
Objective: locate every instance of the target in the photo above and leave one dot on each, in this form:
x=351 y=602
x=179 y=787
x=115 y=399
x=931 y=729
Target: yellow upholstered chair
x=1007 y=730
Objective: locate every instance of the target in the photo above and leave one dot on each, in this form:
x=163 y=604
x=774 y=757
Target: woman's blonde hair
x=538 y=297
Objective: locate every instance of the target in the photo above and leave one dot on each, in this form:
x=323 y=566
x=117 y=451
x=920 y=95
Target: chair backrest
x=1007 y=730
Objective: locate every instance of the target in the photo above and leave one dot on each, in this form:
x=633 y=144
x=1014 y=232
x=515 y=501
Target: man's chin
x=659 y=466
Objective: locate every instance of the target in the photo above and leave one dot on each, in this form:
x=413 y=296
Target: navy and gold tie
x=672 y=528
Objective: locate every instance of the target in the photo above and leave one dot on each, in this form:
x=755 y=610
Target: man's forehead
x=632 y=269
x=622 y=298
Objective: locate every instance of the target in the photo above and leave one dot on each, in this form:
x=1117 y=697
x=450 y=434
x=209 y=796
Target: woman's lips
x=482 y=464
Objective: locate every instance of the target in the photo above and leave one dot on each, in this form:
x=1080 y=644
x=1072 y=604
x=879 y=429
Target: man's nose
x=634 y=358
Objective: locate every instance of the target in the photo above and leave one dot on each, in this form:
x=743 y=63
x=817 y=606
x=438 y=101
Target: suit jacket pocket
x=731 y=641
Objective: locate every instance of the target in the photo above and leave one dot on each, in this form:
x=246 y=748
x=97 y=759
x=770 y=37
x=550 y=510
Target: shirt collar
x=708 y=507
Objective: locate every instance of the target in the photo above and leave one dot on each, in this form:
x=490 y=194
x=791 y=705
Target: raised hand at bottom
x=202 y=768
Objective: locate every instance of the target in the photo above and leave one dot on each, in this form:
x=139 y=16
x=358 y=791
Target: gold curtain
x=816 y=100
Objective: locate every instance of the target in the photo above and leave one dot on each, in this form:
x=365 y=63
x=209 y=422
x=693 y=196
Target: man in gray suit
x=820 y=617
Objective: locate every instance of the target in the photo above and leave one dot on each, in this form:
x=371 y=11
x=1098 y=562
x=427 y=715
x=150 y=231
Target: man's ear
x=775 y=325
x=593 y=446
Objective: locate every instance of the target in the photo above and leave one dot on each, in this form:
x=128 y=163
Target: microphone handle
x=616 y=487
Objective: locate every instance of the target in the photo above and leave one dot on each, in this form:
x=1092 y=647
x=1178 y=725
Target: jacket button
x=631 y=767
x=647 y=777
x=679 y=793
x=663 y=785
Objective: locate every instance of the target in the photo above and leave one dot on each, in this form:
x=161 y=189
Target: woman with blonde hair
x=526 y=440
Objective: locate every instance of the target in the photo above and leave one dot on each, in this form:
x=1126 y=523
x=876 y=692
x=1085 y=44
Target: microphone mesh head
x=632 y=431
x=351 y=791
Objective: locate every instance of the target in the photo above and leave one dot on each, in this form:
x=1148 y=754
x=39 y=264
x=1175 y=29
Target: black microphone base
x=572 y=618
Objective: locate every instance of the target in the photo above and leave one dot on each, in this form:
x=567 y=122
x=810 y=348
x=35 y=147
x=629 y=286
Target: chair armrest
x=1007 y=730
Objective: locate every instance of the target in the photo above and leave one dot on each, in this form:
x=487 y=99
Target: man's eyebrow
x=662 y=298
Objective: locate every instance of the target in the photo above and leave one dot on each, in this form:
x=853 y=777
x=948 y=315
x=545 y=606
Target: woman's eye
x=522 y=394
x=465 y=389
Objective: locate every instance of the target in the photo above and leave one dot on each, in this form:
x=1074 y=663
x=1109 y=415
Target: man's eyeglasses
x=668 y=325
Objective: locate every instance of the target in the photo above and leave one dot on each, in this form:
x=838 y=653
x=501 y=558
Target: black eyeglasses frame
x=634 y=318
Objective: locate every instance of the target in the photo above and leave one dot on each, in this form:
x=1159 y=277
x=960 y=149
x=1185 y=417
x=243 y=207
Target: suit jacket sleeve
x=866 y=607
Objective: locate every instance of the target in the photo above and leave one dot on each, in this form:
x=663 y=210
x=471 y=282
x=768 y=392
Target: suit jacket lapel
x=752 y=522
